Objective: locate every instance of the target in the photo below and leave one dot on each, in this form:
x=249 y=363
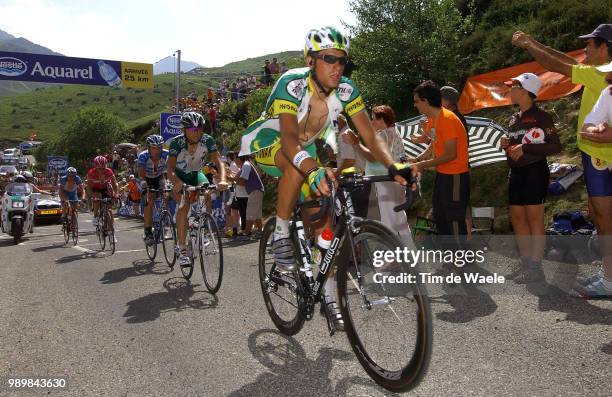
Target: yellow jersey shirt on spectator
x=593 y=82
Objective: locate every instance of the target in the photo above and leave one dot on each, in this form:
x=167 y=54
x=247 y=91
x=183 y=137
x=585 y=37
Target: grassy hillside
x=46 y=110
x=249 y=65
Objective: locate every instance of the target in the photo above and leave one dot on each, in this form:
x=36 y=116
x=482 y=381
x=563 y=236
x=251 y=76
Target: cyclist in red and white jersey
x=101 y=183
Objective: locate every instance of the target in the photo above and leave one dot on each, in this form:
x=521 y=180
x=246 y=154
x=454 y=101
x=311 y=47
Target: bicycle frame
x=344 y=218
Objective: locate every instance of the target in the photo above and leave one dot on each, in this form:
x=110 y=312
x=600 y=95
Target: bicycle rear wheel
x=281 y=292
x=168 y=239
x=389 y=326
x=211 y=253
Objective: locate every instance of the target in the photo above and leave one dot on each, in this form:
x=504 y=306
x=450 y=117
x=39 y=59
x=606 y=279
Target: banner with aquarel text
x=16 y=66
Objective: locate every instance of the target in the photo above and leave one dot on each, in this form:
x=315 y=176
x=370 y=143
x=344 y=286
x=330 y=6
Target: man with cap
x=597 y=128
x=531 y=137
x=596 y=156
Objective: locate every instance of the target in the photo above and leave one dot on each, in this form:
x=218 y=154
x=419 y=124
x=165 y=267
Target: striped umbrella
x=484 y=140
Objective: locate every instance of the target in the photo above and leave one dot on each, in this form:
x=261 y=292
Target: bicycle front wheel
x=211 y=253
x=66 y=230
x=75 y=228
x=281 y=292
x=168 y=239
x=152 y=248
x=110 y=232
x=389 y=326
x=101 y=233
x=192 y=242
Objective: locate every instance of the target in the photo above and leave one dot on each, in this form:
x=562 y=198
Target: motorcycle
x=17 y=210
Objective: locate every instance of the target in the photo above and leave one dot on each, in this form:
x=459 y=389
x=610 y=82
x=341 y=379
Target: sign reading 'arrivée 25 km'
x=18 y=66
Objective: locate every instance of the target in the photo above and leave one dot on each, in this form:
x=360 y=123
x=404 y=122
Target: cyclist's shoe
x=594 y=290
x=184 y=258
x=283 y=255
x=148 y=238
x=333 y=311
x=94 y=222
x=63 y=217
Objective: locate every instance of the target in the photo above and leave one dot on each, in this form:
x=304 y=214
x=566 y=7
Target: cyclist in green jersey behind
x=304 y=106
x=187 y=157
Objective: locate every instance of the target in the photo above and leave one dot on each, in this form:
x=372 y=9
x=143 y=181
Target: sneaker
x=584 y=281
x=333 y=311
x=184 y=259
x=532 y=274
x=229 y=234
x=283 y=255
x=594 y=290
x=94 y=222
x=148 y=238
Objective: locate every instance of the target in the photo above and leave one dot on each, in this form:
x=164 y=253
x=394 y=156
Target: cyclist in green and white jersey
x=304 y=106
x=187 y=156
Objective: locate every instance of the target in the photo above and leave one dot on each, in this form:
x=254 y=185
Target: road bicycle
x=389 y=327
x=164 y=231
x=70 y=225
x=203 y=238
x=105 y=229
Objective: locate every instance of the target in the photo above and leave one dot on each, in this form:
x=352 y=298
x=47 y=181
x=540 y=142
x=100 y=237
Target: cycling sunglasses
x=332 y=59
x=194 y=129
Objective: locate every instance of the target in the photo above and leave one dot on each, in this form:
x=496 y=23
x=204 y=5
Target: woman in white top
x=389 y=194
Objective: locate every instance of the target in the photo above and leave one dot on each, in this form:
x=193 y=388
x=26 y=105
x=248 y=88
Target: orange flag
x=488 y=90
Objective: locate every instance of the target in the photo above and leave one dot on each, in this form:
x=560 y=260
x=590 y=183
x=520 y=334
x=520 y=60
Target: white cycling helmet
x=326 y=38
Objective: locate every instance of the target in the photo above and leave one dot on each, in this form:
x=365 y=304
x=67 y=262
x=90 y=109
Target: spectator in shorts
x=531 y=137
x=451 y=193
x=241 y=196
x=596 y=156
x=598 y=128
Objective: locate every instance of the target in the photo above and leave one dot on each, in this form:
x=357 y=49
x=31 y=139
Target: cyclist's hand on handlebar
x=317 y=181
x=404 y=173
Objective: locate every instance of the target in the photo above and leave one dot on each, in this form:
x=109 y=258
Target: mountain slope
x=13 y=44
x=168 y=65
x=249 y=65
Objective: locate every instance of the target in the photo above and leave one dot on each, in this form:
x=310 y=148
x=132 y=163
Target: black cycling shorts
x=528 y=185
x=155 y=183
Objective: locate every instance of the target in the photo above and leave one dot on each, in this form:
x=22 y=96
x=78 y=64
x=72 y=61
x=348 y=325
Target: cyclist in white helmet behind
x=151 y=169
x=188 y=155
x=304 y=106
x=70 y=188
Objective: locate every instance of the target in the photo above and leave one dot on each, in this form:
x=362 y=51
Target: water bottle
x=324 y=241
x=108 y=73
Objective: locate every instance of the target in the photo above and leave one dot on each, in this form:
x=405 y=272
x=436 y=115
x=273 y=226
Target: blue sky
x=211 y=33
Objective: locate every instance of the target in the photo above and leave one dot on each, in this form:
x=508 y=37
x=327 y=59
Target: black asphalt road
x=117 y=325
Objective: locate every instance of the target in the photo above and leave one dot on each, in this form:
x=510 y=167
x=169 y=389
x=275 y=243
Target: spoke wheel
x=388 y=325
x=211 y=253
